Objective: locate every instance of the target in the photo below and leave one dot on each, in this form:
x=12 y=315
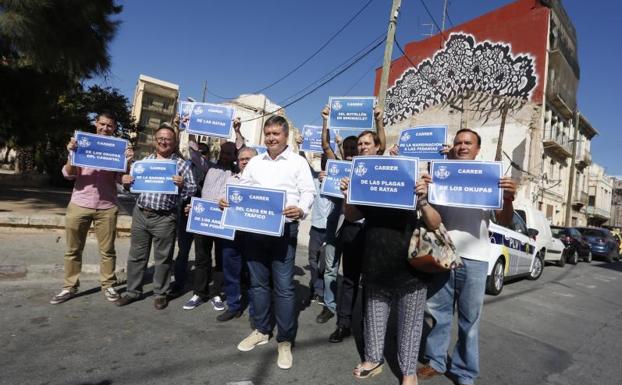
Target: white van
x=546 y=245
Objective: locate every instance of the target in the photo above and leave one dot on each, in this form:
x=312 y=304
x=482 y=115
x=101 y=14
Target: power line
x=427 y=10
x=447 y=14
x=380 y=38
x=363 y=75
x=314 y=54
x=369 y=51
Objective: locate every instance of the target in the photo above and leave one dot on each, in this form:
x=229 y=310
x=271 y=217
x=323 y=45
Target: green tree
x=47 y=48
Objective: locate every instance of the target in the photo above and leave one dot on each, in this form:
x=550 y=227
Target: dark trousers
x=352 y=244
x=147 y=228
x=203 y=271
x=317 y=238
x=184 y=243
x=234 y=270
x=267 y=254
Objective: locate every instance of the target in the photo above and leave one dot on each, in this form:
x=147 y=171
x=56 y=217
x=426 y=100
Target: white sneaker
x=193 y=302
x=285 y=359
x=218 y=304
x=254 y=339
x=63 y=296
x=111 y=294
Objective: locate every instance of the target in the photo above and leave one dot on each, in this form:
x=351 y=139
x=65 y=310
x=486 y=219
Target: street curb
x=21 y=272
x=124 y=222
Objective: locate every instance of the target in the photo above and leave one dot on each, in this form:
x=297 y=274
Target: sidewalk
x=43 y=211
x=45 y=208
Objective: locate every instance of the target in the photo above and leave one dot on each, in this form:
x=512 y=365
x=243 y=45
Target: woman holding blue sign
x=389 y=278
x=350 y=239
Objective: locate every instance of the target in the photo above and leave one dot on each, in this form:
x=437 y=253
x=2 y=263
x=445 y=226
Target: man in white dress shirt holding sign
x=278 y=168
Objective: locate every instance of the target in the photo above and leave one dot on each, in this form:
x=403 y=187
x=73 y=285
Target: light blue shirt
x=322 y=207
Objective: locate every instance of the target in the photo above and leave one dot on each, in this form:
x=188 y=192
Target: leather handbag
x=432 y=251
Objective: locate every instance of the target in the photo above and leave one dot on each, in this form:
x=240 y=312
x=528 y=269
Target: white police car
x=512 y=254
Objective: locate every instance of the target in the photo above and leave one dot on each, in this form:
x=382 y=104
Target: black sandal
x=366 y=373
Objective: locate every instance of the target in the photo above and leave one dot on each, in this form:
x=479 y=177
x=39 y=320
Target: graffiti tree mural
x=464 y=68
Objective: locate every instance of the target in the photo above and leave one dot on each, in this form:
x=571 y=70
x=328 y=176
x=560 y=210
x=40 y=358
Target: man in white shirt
x=464 y=287
x=278 y=168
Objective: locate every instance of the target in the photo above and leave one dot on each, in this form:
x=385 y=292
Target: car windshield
x=593 y=233
x=557 y=233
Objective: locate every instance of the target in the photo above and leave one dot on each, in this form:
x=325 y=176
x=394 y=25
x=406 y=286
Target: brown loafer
x=426 y=371
x=125 y=300
x=160 y=303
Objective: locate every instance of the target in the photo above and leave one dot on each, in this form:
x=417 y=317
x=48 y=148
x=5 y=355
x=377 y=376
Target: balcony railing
x=580 y=199
x=592 y=211
x=557 y=144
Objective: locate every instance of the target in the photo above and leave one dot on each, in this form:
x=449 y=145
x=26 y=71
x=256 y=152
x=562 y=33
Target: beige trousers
x=77 y=223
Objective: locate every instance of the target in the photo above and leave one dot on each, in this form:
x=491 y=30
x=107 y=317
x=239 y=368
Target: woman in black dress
x=388 y=278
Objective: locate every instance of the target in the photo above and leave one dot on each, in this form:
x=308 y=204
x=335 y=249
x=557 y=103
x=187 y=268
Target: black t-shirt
x=387 y=237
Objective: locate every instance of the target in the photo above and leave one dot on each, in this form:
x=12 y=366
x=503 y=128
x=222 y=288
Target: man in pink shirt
x=93 y=200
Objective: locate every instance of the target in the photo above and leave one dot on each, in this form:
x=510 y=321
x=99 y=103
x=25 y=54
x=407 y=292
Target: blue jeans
x=233 y=271
x=464 y=287
x=332 y=255
x=317 y=238
x=265 y=255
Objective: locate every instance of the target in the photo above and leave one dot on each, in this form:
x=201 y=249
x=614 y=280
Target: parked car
x=512 y=254
x=556 y=252
x=546 y=245
x=602 y=243
x=576 y=246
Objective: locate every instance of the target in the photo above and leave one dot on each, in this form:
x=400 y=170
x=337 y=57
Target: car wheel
x=574 y=258
x=494 y=282
x=538 y=268
x=589 y=257
x=562 y=260
x=610 y=256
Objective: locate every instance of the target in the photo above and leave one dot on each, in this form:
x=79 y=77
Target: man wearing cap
x=216 y=176
x=154 y=219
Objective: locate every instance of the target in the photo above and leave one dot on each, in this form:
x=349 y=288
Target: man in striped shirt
x=154 y=219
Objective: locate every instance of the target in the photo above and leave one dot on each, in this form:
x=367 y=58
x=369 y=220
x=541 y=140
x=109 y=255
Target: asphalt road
x=562 y=329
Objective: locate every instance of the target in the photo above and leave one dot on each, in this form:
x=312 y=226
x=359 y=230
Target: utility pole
x=444 y=16
x=504 y=114
x=388 y=51
x=204 y=91
x=577 y=115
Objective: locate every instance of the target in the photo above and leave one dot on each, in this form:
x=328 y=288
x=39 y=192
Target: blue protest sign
x=335 y=171
x=312 y=139
x=423 y=142
x=205 y=218
x=351 y=113
x=99 y=152
x=208 y=119
x=386 y=181
x=260 y=149
x=154 y=176
x=185 y=110
x=473 y=184
x=255 y=209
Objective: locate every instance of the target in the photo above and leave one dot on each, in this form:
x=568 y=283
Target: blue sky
x=240 y=46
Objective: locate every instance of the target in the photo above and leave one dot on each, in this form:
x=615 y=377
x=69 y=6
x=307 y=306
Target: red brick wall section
x=521 y=27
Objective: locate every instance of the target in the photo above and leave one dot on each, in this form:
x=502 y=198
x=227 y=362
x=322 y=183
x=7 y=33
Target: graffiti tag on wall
x=462 y=68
